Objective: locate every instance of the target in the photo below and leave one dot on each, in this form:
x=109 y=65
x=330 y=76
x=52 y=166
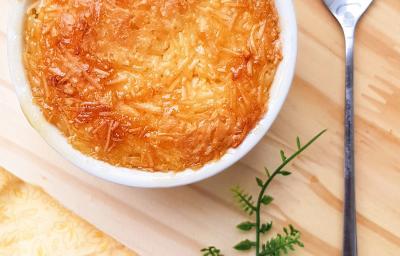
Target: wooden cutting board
x=182 y=220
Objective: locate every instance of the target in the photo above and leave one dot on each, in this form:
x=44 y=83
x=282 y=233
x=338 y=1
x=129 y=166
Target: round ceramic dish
x=136 y=177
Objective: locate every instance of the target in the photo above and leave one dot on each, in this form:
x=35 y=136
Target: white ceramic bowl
x=135 y=177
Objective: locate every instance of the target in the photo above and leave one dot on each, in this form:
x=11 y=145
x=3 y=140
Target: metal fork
x=348 y=13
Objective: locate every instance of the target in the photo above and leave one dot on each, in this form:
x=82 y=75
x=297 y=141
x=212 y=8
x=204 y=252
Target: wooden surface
x=180 y=221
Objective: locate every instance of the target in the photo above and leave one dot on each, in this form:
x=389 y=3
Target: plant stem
x=266 y=184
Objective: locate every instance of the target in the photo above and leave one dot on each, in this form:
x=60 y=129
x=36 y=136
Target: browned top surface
x=160 y=85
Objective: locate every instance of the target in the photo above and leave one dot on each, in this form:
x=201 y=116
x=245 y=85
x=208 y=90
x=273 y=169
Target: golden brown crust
x=158 y=84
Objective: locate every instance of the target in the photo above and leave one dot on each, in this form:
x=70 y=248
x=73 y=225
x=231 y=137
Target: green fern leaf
x=283 y=157
x=266 y=199
x=285 y=173
x=298 y=143
x=282 y=243
x=265 y=227
x=260 y=183
x=246 y=226
x=245 y=200
x=267 y=172
x=244 y=245
x=211 y=251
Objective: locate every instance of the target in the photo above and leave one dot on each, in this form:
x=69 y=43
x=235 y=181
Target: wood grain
x=180 y=221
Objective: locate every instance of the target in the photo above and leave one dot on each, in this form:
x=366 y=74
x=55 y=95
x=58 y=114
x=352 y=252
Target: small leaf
x=286 y=231
x=265 y=227
x=244 y=245
x=298 y=142
x=283 y=157
x=285 y=173
x=245 y=200
x=281 y=244
x=259 y=182
x=267 y=172
x=246 y=226
x=266 y=200
x=211 y=251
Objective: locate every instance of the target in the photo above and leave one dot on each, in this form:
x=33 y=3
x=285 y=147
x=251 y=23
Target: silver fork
x=348 y=13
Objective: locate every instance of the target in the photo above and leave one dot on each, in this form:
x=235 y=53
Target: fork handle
x=350 y=226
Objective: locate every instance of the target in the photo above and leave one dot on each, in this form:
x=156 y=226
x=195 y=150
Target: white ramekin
x=136 y=177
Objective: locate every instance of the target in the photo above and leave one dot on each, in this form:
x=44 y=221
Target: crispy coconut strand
x=156 y=84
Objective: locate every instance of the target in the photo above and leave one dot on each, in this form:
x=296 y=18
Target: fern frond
x=283 y=156
x=211 y=251
x=265 y=227
x=282 y=243
x=298 y=143
x=245 y=200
